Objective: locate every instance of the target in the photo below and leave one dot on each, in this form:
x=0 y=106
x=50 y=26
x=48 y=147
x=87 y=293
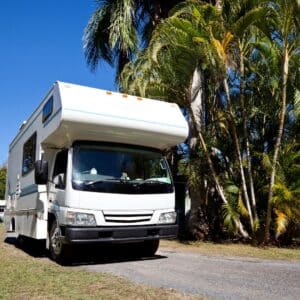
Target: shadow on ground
x=85 y=255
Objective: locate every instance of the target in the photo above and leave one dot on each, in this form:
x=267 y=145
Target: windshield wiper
x=123 y=181
x=105 y=180
x=154 y=182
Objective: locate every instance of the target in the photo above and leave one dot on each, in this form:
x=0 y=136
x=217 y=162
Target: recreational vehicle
x=88 y=167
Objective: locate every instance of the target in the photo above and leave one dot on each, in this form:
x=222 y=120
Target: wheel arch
x=13 y=224
x=51 y=218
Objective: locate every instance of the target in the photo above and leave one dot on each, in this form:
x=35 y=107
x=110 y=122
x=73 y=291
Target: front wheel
x=150 y=247
x=58 y=250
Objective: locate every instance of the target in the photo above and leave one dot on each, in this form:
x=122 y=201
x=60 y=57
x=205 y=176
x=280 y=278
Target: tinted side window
x=47 y=109
x=29 y=152
x=60 y=169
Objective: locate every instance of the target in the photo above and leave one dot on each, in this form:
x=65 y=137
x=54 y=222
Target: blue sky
x=41 y=42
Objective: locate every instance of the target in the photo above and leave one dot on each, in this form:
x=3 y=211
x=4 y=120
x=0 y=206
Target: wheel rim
x=55 y=241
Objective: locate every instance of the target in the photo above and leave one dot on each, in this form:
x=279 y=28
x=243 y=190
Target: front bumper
x=83 y=235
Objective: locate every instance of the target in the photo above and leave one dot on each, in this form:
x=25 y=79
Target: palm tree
x=286 y=194
x=193 y=37
x=234 y=33
x=285 y=36
x=190 y=58
x=240 y=17
x=187 y=37
x=119 y=28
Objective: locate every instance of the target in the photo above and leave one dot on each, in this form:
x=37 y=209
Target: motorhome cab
x=88 y=167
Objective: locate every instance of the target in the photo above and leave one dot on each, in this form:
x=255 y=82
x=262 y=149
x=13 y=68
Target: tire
x=58 y=251
x=150 y=247
x=21 y=241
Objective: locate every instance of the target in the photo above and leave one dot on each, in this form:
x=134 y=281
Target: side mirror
x=41 y=172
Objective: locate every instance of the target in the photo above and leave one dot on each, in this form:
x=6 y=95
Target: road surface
x=216 y=277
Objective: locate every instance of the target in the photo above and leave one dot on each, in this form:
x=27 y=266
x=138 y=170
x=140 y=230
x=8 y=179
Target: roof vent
x=23 y=124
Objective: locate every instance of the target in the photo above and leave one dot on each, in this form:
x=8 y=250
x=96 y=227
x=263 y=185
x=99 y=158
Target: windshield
x=120 y=169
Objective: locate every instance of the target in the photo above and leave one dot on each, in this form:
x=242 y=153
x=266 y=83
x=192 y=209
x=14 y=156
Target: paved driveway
x=212 y=276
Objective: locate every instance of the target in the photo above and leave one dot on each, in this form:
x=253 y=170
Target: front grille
x=127 y=218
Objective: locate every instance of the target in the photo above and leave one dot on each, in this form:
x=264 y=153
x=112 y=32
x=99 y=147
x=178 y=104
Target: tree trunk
x=245 y=130
x=156 y=14
x=219 y=5
x=197 y=221
x=238 y=152
x=285 y=71
x=196 y=103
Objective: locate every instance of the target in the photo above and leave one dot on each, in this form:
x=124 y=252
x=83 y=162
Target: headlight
x=81 y=219
x=167 y=218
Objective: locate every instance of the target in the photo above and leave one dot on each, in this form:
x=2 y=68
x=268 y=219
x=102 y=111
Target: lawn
x=231 y=249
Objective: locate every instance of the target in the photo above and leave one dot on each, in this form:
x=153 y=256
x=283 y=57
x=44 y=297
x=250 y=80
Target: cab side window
x=60 y=169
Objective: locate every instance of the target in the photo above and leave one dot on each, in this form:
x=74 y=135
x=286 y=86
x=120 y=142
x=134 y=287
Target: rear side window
x=47 y=109
x=29 y=152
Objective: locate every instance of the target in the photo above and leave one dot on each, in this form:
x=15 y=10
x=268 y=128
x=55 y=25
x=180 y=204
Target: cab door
x=58 y=183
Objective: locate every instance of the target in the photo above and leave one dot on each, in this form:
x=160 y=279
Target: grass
x=25 y=277
x=230 y=249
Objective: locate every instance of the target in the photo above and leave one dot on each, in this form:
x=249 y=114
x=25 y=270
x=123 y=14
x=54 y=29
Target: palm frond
x=266 y=162
x=281 y=193
x=230 y=215
x=281 y=222
x=242 y=208
x=94 y=35
x=255 y=16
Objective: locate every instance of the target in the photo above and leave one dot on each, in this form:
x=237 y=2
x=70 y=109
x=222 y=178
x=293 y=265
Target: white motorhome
x=88 y=167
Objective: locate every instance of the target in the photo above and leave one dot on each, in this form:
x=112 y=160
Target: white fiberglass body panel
x=110 y=201
x=112 y=209
x=96 y=115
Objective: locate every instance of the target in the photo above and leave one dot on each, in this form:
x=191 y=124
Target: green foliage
x=111 y=34
x=2 y=182
x=230 y=214
x=286 y=195
x=242 y=48
x=118 y=29
x=235 y=208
